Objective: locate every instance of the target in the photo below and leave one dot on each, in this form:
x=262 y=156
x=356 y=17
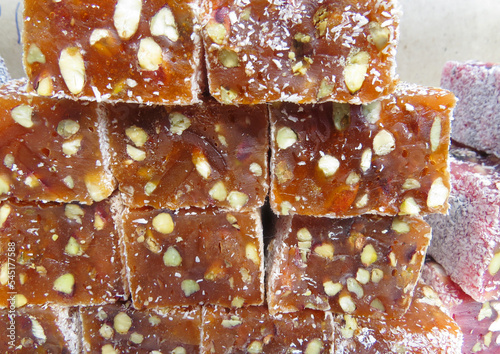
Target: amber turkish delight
x=254 y=330
x=466 y=242
x=388 y=157
x=39 y=330
x=300 y=51
x=185 y=258
x=124 y=50
x=62 y=254
x=424 y=329
x=364 y=266
x=201 y=155
x=122 y=329
x=50 y=150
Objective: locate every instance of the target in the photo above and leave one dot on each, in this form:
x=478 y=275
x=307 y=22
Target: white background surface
x=432 y=32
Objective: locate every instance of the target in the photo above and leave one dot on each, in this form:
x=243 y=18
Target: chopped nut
x=352 y=179
x=435 y=134
x=22 y=115
x=438 y=194
x=252 y=253
x=98 y=222
x=285 y=138
x=135 y=153
x=485 y=312
x=237 y=302
x=256 y=169
x=255 y=347
x=163 y=24
x=67 y=128
x=216 y=31
x=302 y=38
x=371 y=111
x=237 y=200
x=136 y=338
x=4 y=213
x=8 y=161
x=37 y=331
x=229 y=58
x=363 y=276
x=362 y=202
x=346 y=303
x=45 y=86
x=383 y=143
x=4 y=184
x=20 y=300
x=377 y=304
x=72 y=69
x=329 y=165
x=355 y=71
x=368 y=255
x=201 y=164
x=379 y=35
x=366 y=160
x=137 y=135
x=71 y=147
x=74 y=212
x=400 y=226
x=108 y=349
x=99 y=34
x=341 y=116
x=150 y=54
x=233 y=322
x=325 y=88
x=351 y=325
x=65 y=283
x=304 y=242
x=163 y=223
x=487 y=338
x=377 y=275
x=35 y=55
x=409 y=207
x=126 y=17
x=178 y=123
x=392 y=259
x=218 y=191
x=325 y=250
x=227 y=96
x=494 y=265
x=122 y=323
x=331 y=288
x=214 y=272
x=315 y=346
x=411 y=183
x=172 y=257
x=4 y=273
x=99 y=188
x=189 y=287
x=285 y=207
x=73 y=248
x=150 y=187
x=320 y=20
x=176 y=350
x=106 y=331
x=32 y=181
x=354 y=287
x=154 y=320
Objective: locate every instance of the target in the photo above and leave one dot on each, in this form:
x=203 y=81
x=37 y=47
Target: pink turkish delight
x=467 y=241
x=477 y=115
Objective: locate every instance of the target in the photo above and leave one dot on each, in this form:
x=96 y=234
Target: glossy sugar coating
x=65 y=254
x=300 y=51
x=466 y=242
x=479 y=322
x=254 y=330
x=192 y=257
x=424 y=329
x=121 y=50
x=48 y=329
x=365 y=266
x=127 y=330
x=388 y=157
x=201 y=155
x=50 y=150
x=477 y=116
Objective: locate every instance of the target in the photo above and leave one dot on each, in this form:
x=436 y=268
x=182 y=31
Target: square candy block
x=36 y=329
x=479 y=322
x=365 y=266
x=300 y=51
x=122 y=50
x=186 y=258
x=122 y=329
x=59 y=254
x=254 y=330
x=425 y=328
x=201 y=155
x=388 y=157
x=50 y=150
x=477 y=116
x=466 y=242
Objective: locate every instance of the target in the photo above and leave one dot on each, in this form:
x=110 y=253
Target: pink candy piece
x=477 y=115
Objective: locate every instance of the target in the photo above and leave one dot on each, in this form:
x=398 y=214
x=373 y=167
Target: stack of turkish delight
x=219 y=176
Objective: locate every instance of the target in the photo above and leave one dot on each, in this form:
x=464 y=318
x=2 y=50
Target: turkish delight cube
x=62 y=254
x=388 y=157
x=254 y=330
x=202 y=155
x=477 y=116
x=365 y=266
x=190 y=257
x=466 y=242
x=300 y=51
x=125 y=50
x=50 y=150
x=425 y=328
x=119 y=328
